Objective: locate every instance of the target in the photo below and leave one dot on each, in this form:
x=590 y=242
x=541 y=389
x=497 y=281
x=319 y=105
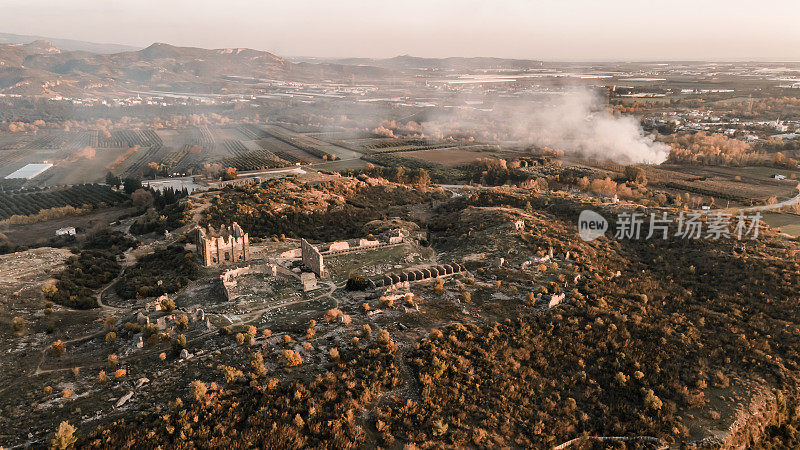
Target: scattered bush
x=84 y=274
x=167 y=304
x=334 y=353
x=332 y=314
x=64 y=437
x=199 y=391
x=257 y=362
x=163 y=272
x=292 y=358
x=18 y=324
x=57 y=348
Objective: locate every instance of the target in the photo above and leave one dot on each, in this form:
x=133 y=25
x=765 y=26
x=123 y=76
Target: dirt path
x=99 y=295
x=778 y=205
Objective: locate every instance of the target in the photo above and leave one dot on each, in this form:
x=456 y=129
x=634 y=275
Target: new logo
x=591 y=225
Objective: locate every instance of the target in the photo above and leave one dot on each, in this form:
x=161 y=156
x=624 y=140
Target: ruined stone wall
x=339 y=246
x=363 y=244
x=216 y=250
x=312 y=258
x=228 y=277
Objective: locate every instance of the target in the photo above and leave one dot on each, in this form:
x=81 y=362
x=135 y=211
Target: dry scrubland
x=672 y=341
x=543 y=339
x=676 y=342
x=674 y=360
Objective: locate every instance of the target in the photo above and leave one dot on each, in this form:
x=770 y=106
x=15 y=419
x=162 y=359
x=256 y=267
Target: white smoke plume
x=577 y=123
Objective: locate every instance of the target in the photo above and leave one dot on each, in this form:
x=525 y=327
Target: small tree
x=49 y=289
x=651 y=400
x=113 y=180
x=130 y=185
x=292 y=358
x=332 y=314
x=383 y=337
x=110 y=323
x=183 y=322
x=19 y=324
x=386 y=302
x=635 y=175
x=230 y=173
x=57 y=348
x=438 y=286
x=199 y=391
x=167 y=304
x=179 y=343
x=257 y=362
x=142 y=199
x=64 y=437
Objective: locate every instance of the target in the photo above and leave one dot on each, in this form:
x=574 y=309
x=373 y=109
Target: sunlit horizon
x=553 y=31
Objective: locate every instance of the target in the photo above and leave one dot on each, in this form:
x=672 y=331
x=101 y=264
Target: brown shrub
x=199 y=391
x=64 y=437
x=57 y=348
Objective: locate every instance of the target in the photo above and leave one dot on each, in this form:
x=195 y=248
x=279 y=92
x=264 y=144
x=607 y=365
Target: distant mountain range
x=67 y=44
x=407 y=62
x=42 y=68
x=71 y=68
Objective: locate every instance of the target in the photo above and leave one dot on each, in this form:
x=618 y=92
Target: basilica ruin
x=229 y=244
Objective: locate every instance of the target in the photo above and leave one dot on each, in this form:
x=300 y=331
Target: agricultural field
x=31 y=202
x=448 y=157
x=86 y=156
x=36 y=234
x=788 y=223
x=739 y=185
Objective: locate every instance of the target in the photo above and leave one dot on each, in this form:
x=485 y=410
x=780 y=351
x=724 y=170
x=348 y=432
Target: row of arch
x=419 y=274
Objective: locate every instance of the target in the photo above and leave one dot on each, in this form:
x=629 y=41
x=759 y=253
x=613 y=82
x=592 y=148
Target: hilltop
x=41 y=68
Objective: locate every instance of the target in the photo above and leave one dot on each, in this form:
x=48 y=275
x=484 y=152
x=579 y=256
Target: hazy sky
x=537 y=29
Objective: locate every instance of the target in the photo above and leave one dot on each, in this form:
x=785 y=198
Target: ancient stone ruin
x=229 y=244
x=413 y=275
x=309 y=281
x=312 y=258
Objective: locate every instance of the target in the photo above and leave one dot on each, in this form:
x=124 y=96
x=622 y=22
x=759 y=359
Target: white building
x=66 y=230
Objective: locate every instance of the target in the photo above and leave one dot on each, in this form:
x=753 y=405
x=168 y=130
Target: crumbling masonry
x=230 y=244
x=312 y=258
x=410 y=276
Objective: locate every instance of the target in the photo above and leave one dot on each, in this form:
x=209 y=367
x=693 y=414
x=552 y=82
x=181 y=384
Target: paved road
x=778 y=205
